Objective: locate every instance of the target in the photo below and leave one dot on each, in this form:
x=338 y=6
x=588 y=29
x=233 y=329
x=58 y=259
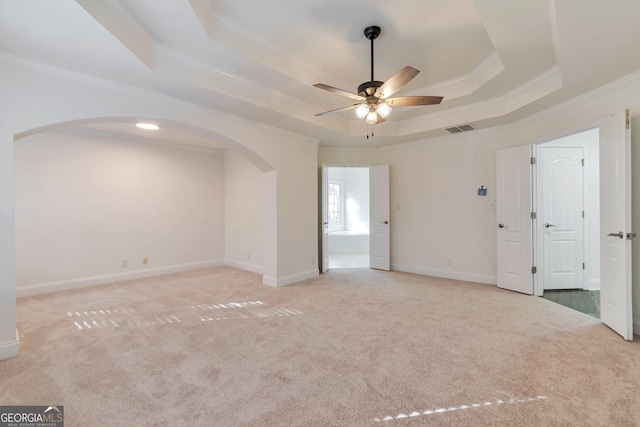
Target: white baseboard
x=447 y=274
x=64 y=285
x=592 y=285
x=253 y=268
x=277 y=282
x=10 y=349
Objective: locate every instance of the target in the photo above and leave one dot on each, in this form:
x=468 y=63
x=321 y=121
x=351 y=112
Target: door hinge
x=582 y=214
x=628 y=121
x=582 y=162
x=533 y=215
x=534 y=270
x=583 y=265
x=533 y=160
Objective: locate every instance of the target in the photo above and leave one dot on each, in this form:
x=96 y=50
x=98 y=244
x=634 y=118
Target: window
x=334 y=208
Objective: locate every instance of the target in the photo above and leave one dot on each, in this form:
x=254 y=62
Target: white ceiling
x=494 y=61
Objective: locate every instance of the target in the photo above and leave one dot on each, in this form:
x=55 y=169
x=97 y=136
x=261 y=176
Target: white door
x=562 y=218
x=324 y=227
x=615 y=223
x=513 y=197
x=379 y=234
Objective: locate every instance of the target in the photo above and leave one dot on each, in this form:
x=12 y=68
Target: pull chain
x=370 y=133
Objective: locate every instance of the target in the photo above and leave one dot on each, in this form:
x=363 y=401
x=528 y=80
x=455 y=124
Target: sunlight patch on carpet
x=190 y=314
x=458 y=408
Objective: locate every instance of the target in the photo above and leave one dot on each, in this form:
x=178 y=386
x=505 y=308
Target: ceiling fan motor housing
x=367 y=89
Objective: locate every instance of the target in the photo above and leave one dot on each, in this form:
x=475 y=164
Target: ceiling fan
x=374 y=97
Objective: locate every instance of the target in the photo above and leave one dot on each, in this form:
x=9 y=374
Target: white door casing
x=615 y=223
x=514 y=223
x=379 y=233
x=324 y=227
x=561 y=216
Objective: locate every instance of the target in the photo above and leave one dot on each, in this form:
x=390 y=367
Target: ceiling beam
x=114 y=17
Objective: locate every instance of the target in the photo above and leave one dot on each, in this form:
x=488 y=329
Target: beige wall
x=86 y=202
x=244 y=214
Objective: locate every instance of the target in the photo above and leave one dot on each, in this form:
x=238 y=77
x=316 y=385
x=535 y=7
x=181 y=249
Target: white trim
x=252 y=268
x=135 y=138
x=277 y=282
x=124 y=26
x=602 y=90
x=455 y=275
x=592 y=285
x=468 y=83
x=10 y=349
x=64 y=285
x=91 y=80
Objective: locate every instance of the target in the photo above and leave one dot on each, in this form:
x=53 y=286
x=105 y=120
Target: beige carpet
x=353 y=348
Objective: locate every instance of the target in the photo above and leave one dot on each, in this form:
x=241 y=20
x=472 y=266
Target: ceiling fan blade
x=350 y=107
x=402 y=101
x=339 y=92
x=396 y=82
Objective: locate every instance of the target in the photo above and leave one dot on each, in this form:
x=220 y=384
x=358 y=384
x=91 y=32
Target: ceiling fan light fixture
x=361 y=111
x=384 y=110
x=372 y=117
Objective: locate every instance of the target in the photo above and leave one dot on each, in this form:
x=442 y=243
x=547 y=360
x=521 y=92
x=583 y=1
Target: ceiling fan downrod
x=367 y=89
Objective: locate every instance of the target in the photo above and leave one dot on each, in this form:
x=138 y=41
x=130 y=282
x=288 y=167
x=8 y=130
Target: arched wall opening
x=41 y=98
x=96 y=205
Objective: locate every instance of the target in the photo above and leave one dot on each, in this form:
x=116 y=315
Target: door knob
x=385 y=222
x=500 y=225
x=547 y=225
x=620 y=234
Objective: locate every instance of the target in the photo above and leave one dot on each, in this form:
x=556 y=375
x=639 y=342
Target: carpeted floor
x=354 y=347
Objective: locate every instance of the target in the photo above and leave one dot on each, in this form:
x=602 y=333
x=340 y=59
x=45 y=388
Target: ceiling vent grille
x=461 y=128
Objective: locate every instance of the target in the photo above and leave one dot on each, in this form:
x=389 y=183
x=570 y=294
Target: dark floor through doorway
x=587 y=302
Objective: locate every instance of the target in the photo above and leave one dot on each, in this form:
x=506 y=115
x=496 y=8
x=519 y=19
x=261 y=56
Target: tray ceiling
x=494 y=61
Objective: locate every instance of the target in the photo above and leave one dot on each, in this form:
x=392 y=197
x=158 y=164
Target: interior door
x=615 y=223
x=562 y=216
x=379 y=234
x=324 y=227
x=514 y=223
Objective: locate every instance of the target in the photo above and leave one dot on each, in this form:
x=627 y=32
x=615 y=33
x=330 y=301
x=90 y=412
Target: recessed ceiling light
x=147 y=126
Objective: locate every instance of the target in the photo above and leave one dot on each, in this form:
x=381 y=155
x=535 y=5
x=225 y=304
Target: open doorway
x=568 y=226
x=348 y=217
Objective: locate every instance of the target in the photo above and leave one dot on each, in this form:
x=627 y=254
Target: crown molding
x=228 y=33
x=84 y=131
x=249 y=91
x=82 y=78
x=602 y=90
x=464 y=85
x=541 y=85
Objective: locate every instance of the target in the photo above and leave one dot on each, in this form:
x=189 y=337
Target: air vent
x=461 y=128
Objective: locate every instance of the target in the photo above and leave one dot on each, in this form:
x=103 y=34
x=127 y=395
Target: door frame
x=539 y=231
x=322 y=207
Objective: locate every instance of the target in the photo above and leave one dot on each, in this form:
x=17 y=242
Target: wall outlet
x=145 y=260
x=125 y=263
x=449 y=261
